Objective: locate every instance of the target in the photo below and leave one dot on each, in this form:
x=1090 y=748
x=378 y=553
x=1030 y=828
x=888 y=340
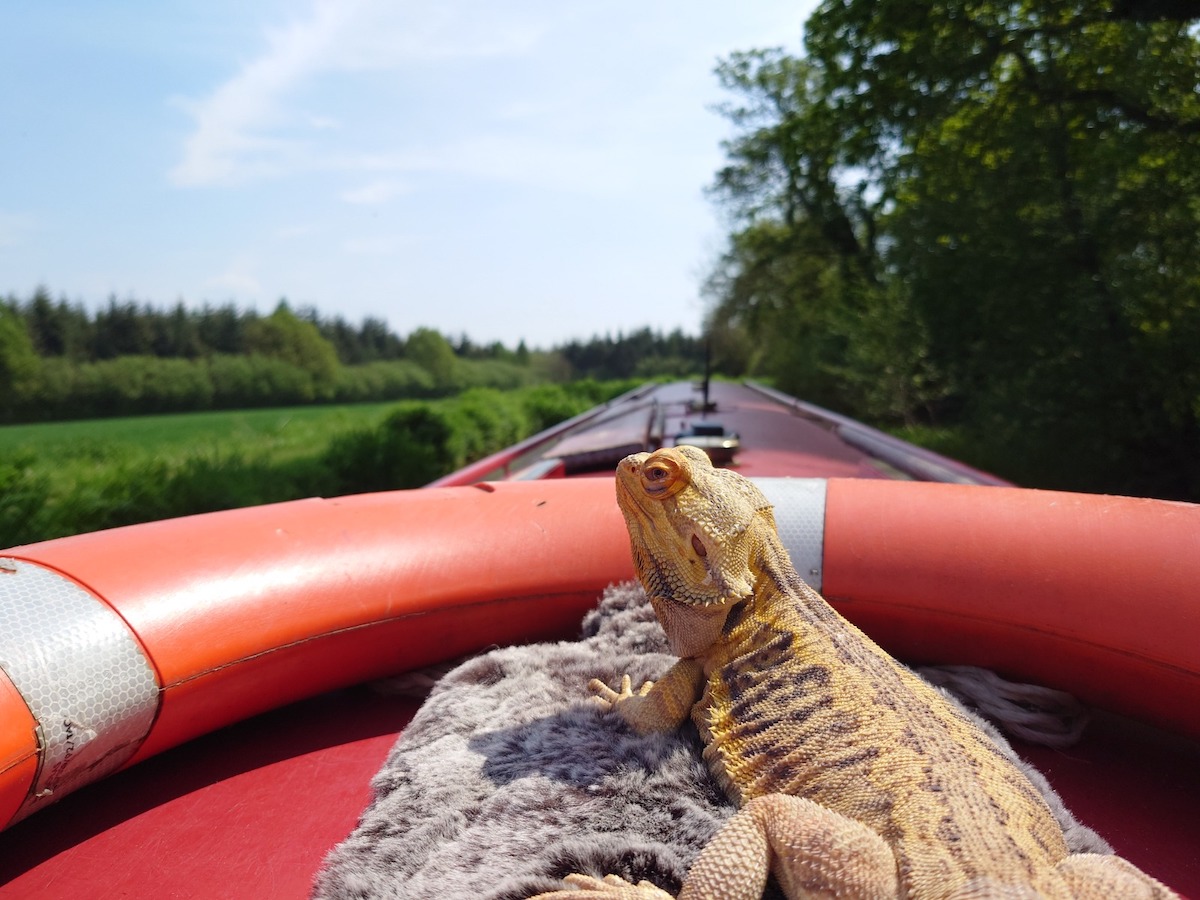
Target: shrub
x=19 y=364
x=282 y=336
x=94 y=483
x=492 y=373
x=410 y=448
x=24 y=494
x=549 y=404
x=383 y=380
x=485 y=420
x=249 y=381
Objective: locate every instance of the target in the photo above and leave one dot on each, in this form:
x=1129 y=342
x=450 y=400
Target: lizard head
x=692 y=527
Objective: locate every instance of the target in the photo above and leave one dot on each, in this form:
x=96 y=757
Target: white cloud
x=228 y=143
x=525 y=110
x=13 y=228
x=531 y=158
x=237 y=279
x=292 y=232
x=376 y=245
x=375 y=193
x=242 y=128
x=395 y=33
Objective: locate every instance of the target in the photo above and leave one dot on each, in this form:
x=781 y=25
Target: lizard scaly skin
x=854 y=777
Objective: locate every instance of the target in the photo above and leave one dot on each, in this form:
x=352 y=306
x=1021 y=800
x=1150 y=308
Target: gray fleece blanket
x=506 y=780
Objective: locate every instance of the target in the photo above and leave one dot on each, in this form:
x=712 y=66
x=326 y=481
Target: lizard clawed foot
x=606 y=698
x=586 y=887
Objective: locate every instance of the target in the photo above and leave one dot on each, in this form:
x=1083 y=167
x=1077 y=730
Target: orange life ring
x=238 y=612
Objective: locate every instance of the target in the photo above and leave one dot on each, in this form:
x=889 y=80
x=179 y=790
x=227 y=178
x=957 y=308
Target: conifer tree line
x=60 y=360
x=61 y=328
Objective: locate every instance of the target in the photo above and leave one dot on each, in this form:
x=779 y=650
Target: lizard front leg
x=610 y=887
x=657 y=706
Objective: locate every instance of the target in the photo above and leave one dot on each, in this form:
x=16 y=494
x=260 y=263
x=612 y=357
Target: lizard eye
x=662 y=477
x=698 y=546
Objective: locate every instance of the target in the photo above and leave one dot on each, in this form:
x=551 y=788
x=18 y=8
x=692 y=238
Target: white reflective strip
x=82 y=673
x=800 y=515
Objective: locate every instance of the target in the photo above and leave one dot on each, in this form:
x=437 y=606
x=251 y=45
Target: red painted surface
x=249 y=811
x=775 y=442
x=18 y=749
x=1138 y=787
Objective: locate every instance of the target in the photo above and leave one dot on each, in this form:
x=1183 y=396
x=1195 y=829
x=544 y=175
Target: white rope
x=1033 y=713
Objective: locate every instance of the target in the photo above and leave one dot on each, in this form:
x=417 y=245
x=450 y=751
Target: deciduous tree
x=985 y=209
x=284 y=336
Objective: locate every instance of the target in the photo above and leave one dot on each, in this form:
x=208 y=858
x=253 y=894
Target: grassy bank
x=69 y=477
x=280 y=433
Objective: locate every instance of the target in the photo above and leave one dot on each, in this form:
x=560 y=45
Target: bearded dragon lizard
x=853 y=777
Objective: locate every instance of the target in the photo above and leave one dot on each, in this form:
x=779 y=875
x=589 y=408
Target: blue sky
x=524 y=169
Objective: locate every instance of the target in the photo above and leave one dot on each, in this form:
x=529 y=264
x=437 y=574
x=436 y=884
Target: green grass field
x=61 y=478
x=280 y=434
